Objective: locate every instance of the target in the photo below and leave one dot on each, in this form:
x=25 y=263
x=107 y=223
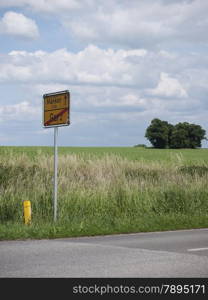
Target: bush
x=141 y=146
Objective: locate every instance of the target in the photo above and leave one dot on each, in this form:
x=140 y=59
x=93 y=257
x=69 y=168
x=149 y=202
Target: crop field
x=102 y=190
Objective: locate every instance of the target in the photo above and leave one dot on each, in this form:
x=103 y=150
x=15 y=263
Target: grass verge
x=49 y=230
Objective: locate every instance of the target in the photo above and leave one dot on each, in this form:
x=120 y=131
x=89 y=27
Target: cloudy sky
x=124 y=62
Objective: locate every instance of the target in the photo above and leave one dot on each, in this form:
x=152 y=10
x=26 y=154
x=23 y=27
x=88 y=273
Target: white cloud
x=130 y=24
x=153 y=73
x=110 y=78
x=22 y=111
x=142 y=23
x=10 y=72
x=89 y=66
x=17 y=24
x=168 y=87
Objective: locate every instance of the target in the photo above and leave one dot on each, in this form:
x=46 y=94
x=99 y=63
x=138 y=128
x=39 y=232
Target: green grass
x=102 y=190
x=132 y=153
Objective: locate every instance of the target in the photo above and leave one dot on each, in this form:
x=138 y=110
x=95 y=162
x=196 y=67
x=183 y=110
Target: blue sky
x=124 y=63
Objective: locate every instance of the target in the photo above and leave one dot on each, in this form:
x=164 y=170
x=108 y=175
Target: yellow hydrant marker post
x=27 y=212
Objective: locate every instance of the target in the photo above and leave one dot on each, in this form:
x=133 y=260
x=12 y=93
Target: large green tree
x=161 y=134
x=185 y=135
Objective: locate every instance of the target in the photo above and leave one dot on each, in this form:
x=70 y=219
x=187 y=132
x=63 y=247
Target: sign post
x=55 y=173
x=56 y=108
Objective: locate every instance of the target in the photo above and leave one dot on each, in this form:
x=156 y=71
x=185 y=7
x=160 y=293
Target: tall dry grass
x=100 y=189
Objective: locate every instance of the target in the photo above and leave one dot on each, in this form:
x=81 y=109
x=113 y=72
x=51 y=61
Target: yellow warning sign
x=56 y=108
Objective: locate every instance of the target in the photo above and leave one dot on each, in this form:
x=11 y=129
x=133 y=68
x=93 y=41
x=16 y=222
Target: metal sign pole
x=55 y=173
x=56 y=112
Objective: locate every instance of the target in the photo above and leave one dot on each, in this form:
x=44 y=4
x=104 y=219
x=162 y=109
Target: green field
x=196 y=156
x=102 y=190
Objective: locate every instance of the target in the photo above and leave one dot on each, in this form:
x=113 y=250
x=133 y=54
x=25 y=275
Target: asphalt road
x=161 y=254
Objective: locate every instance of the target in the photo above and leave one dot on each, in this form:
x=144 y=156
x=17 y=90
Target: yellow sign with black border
x=56 y=109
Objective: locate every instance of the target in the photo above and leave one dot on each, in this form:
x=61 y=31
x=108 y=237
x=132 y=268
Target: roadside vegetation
x=102 y=193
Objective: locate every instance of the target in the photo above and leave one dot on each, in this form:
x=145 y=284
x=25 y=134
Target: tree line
x=162 y=134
